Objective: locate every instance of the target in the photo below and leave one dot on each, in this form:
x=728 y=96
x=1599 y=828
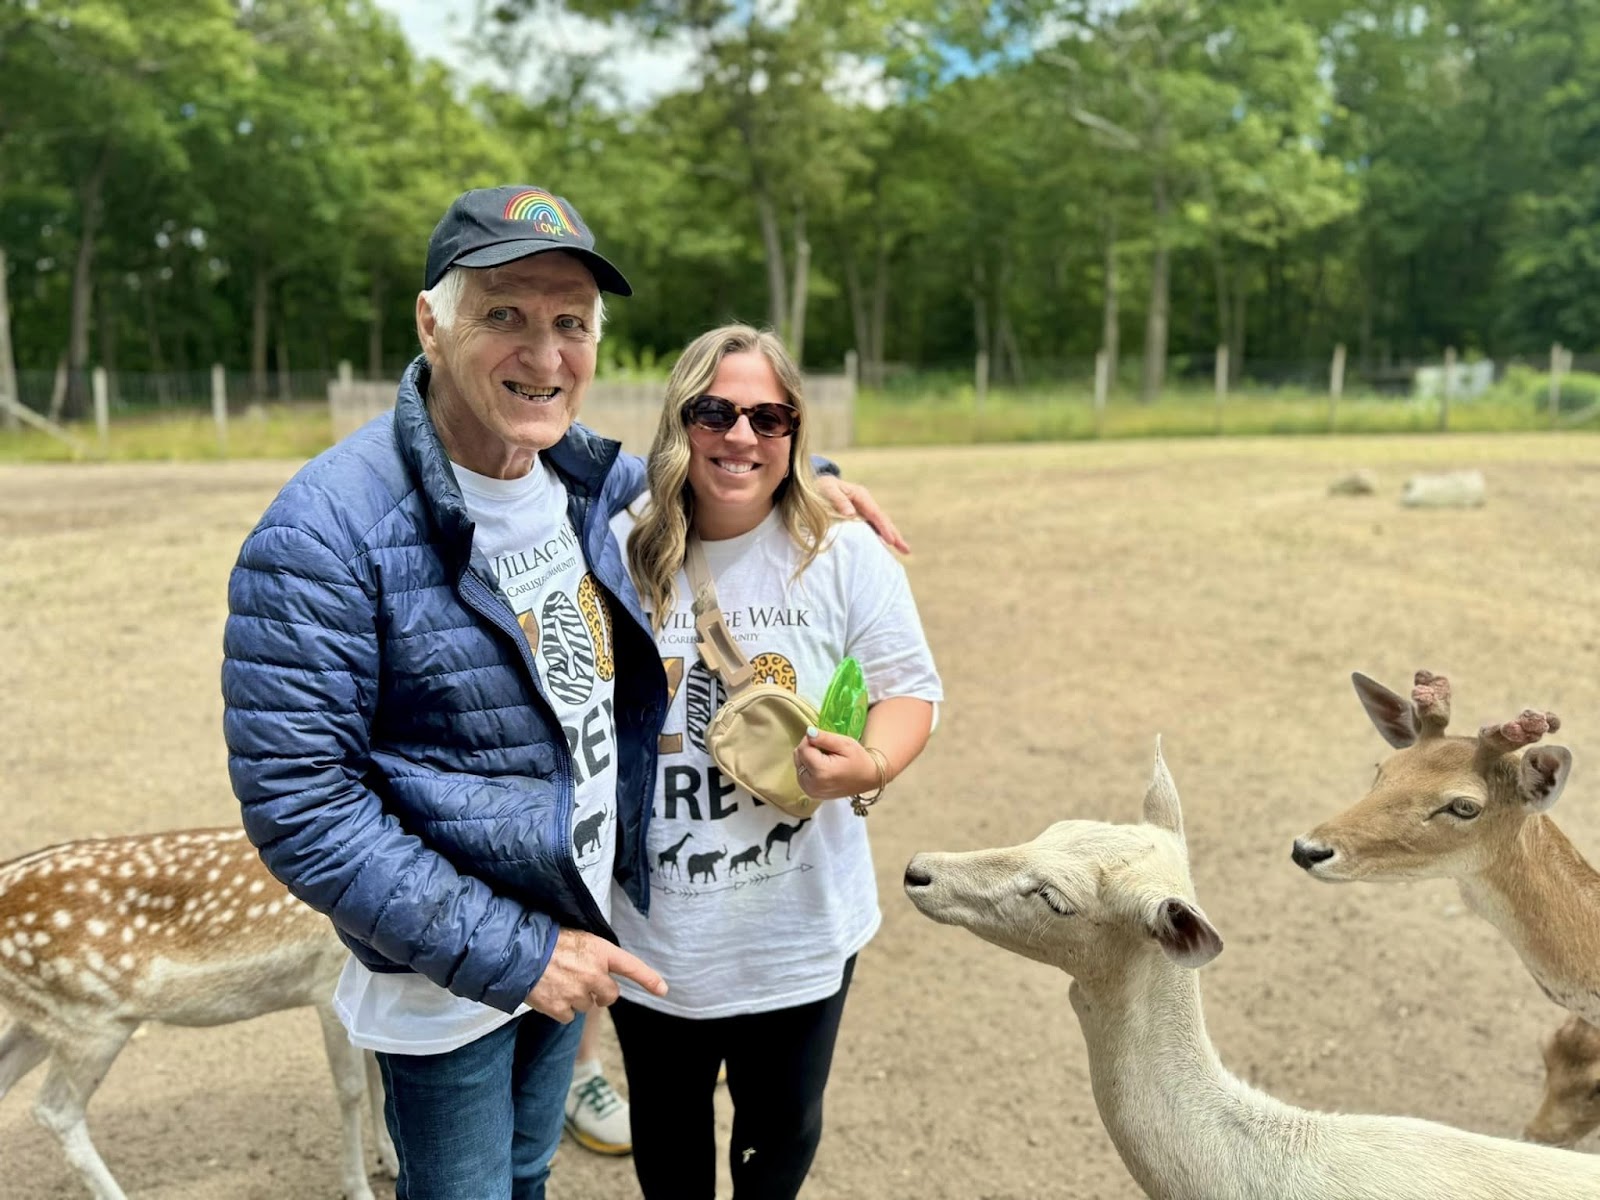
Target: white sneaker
x=597 y=1118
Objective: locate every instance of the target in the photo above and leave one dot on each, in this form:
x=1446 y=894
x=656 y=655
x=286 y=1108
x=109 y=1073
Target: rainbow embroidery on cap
x=541 y=208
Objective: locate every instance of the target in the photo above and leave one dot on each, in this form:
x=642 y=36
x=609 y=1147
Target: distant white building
x=1469 y=379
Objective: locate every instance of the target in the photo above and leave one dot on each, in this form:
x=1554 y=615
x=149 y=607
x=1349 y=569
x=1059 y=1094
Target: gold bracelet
x=860 y=803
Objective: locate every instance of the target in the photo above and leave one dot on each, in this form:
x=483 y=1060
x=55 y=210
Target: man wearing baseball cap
x=442 y=701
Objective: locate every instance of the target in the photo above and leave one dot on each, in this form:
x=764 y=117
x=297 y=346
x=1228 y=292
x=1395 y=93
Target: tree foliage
x=254 y=181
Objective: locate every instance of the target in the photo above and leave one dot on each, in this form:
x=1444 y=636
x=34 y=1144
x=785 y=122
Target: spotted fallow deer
x=1473 y=809
x=185 y=928
x=1114 y=907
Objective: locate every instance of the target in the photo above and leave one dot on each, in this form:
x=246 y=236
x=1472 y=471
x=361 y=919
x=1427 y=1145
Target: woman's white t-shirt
x=750 y=909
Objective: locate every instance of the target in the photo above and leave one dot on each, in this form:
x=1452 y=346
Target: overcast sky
x=644 y=70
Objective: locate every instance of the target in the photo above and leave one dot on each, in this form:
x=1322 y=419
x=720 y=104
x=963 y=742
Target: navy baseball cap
x=487 y=227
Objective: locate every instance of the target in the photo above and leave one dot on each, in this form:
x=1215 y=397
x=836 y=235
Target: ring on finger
x=802 y=771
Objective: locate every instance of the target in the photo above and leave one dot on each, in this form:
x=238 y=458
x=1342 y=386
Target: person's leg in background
x=671 y=1064
x=778 y=1064
x=597 y=1117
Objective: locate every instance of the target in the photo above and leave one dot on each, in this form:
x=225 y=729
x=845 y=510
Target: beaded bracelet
x=859 y=804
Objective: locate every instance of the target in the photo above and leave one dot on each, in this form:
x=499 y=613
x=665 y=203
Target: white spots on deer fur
x=29 y=918
x=8 y=948
x=93 y=985
x=274 y=908
x=25 y=957
x=253 y=911
x=124 y=870
x=70 y=888
x=213 y=875
x=127 y=935
x=61 y=918
x=125 y=961
x=44 y=970
x=238 y=880
x=256 y=887
x=91 y=886
x=41 y=938
x=227 y=914
x=96 y=927
x=140 y=920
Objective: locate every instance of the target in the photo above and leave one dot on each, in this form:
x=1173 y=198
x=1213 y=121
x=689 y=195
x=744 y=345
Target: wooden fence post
x=1335 y=386
x=981 y=377
x=852 y=367
x=1222 y=382
x=1102 y=384
x=101 y=391
x=219 y=406
x=8 y=364
x=1449 y=388
x=1557 y=357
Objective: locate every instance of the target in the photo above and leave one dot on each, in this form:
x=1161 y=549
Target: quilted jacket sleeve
x=625 y=483
x=300 y=685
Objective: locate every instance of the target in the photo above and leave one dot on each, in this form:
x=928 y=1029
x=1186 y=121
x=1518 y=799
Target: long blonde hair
x=656 y=545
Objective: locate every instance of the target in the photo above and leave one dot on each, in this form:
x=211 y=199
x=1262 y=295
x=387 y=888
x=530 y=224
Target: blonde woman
x=755 y=918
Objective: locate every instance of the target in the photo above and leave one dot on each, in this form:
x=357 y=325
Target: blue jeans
x=481 y=1122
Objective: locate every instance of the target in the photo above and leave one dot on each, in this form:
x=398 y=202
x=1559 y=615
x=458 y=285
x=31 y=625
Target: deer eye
x=1056 y=901
x=1464 y=807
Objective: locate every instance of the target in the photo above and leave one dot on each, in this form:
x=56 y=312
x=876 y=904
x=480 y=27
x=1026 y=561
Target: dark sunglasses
x=717 y=415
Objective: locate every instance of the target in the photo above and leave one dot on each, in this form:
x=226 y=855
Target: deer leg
x=21 y=1050
x=388 y=1160
x=75 y=1072
x=350 y=1085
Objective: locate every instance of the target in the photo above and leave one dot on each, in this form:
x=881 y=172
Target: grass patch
x=266 y=431
x=902 y=418
x=897 y=417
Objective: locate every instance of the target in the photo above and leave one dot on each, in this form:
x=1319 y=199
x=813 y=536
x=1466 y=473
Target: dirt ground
x=1080 y=599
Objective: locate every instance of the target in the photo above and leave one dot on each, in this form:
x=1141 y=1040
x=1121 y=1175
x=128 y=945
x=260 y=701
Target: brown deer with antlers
x=186 y=928
x=1473 y=809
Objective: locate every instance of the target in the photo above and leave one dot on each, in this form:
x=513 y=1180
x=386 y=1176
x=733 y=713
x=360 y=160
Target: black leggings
x=777 y=1069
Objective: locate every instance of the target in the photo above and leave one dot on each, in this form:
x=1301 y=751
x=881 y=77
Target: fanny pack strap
x=718 y=650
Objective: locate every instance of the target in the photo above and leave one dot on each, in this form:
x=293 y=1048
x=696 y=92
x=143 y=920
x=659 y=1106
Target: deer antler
x=1513 y=735
x=1432 y=699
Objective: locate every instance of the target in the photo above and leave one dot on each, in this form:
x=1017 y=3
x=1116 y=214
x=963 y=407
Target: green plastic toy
x=844 y=708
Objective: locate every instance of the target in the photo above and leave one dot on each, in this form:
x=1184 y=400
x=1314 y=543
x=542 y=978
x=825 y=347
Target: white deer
x=186 y=928
x=1472 y=809
x=1114 y=907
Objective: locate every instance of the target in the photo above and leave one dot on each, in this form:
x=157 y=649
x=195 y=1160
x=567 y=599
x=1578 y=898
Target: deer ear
x=1161 y=807
x=1542 y=774
x=1184 y=933
x=1394 y=716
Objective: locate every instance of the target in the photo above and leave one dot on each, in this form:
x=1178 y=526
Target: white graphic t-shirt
x=522 y=531
x=751 y=909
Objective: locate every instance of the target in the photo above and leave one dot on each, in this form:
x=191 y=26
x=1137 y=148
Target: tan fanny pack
x=752 y=737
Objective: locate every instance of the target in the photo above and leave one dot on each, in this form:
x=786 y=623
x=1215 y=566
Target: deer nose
x=917 y=876
x=1307 y=856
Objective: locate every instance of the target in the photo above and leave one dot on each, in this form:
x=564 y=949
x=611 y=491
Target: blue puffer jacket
x=397 y=761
